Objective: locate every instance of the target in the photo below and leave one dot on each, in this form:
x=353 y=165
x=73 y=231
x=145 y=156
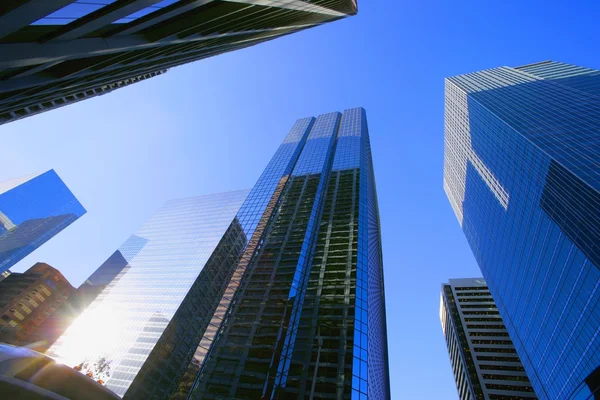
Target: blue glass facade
x=315 y=159
x=522 y=172
x=308 y=316
x=32 y=210
x=270 y=293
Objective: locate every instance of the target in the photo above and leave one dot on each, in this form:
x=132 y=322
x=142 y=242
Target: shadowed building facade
x=483 y=358
x=308 y=317
x=57 y=52
x=522 y=173
x=33 y=209
x=288 y=300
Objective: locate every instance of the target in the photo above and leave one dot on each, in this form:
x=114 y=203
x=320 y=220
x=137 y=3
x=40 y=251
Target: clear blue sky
x=213 y=125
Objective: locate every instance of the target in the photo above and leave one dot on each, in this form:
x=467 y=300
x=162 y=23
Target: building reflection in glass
x=147 y=280
x=232 y=295
x=33 y=209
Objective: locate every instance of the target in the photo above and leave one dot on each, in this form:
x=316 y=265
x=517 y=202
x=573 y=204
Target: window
x=145 y=11
x=31 y=301
x=73 y=11
x=17 y=314
x=51 y=284
x=25 y=307
x=38 y=296
x=44 y=290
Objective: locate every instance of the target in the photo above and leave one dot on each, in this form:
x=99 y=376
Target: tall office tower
x=27 y=300
x=484 y=360
x=33 y=209
x=57 y=52
x=287 y=300
x=308 y=318
x=522 y=173
x=170 y=259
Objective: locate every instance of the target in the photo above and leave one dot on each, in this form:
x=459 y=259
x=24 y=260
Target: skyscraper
x=57 y=52
x=33 y=209
x=288 y=300
x=173 y=250
x=309 y=316
x=522 y=173
x=484 y=361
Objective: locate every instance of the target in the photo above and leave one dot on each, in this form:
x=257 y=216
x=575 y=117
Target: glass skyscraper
x=58 y=52
x=483 y=358
x=33 y=209
x=286 y=301
x=522 y=173
x=161 y=262
x=308 y=320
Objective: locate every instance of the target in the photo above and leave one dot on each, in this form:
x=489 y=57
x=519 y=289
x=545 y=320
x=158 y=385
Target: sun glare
x=93 y=335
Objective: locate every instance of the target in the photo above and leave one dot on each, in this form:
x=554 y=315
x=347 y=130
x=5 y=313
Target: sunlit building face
x=120 y=328
x=522 y=173
x=217 y=291
x=33 y=209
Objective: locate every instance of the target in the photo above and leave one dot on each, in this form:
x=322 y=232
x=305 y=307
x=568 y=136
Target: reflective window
x=522 y=172
x=145 y=11
x=73 y=11
x=300 y=253
x=32 y=210
x=315 y=282
x=122 y=325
